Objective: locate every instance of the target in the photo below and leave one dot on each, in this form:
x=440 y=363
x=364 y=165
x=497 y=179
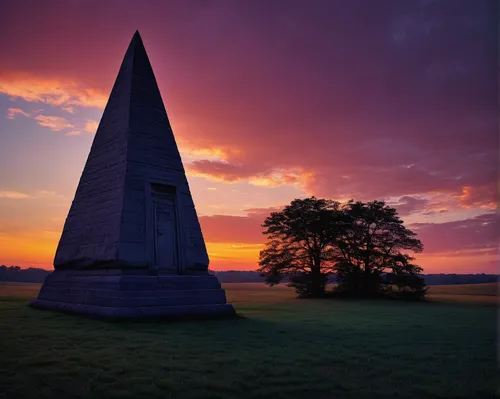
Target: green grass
x=280 y=348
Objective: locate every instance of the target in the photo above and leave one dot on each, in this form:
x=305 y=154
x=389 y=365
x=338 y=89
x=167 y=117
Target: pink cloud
x=54 y=123
x=13 y=112
x=478 y=234
x=218 y=170
x=238 y=229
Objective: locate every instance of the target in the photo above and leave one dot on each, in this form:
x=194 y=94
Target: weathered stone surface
x=132 y=296
x=111 y=220
x=122 y=291
x=132 y=244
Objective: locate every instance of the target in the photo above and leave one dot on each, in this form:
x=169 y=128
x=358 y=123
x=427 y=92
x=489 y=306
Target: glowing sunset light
x=316 y=101
x=60 y=93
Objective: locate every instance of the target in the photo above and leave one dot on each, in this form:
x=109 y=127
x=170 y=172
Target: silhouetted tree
x=364 y=245
x=301 y=245
x=373 y=252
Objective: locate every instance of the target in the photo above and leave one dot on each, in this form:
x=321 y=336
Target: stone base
x=123 y=296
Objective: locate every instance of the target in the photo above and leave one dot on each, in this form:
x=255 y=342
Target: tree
x=365 y=245
x=300 y=245
x=373 y=252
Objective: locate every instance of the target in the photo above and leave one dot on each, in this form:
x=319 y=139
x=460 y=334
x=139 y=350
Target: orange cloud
x=226 y=172
x=91 y=126
x=61 y=93
x=72 y=133
x=482 y=197
x=278 y=177
x=71 y=110
x=207 y=152
x=54 y=123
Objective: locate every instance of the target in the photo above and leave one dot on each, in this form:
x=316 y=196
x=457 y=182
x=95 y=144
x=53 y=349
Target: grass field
x=281 y=348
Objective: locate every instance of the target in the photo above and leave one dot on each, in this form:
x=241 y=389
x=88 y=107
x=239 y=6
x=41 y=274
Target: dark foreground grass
x=279 y=348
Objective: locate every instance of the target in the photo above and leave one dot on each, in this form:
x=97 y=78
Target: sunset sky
x=269 y=101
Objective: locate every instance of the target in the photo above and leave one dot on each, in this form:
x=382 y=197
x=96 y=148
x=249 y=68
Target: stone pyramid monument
x=132 y=245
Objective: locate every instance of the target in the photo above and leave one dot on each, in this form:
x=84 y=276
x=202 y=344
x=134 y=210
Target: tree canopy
x=373 y=251
x=300 y=243
x=365 y=245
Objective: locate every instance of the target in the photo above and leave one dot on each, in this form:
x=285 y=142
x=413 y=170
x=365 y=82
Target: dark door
x=166 y=253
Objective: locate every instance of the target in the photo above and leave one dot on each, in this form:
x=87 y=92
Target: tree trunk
x=317 y=280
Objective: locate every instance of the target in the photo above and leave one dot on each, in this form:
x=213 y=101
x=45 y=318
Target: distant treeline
x=15 y=273
x=235 y=276
x=36 y=275
x=449 y=279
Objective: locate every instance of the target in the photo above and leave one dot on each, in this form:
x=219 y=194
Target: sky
x=269 y=101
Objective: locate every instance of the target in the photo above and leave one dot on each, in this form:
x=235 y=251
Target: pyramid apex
x=137 y=36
